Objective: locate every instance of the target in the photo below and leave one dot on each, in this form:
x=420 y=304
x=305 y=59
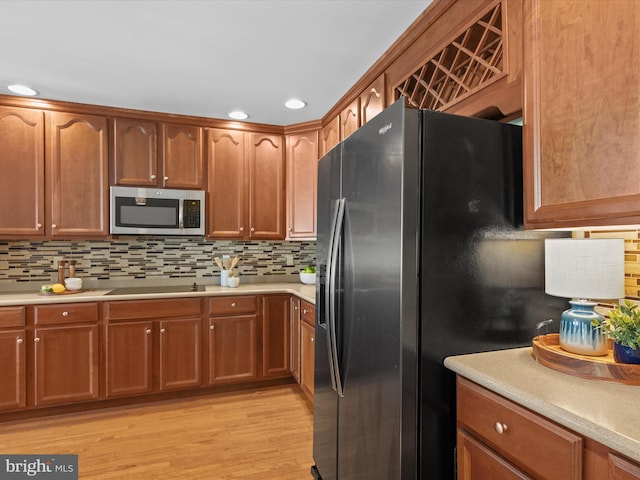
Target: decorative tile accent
x=148 y=257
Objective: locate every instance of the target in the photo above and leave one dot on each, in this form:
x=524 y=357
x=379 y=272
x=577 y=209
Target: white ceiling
x=199 y=57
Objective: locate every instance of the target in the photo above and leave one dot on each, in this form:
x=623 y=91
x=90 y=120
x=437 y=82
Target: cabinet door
x=307 y=339
x=475 y=461
x=182 y=157
x=622 y=469
x=295 y=338
x=302 y=181
x=227 y=184
x=12 y=373
x=233 y=344
x=349 y=119
x=330 y=135
x=180 y=353
x=65 y=364
x=78 y=164
x=275 y=336
x=372 y=100
x=266 y=187
x=581 y=131
x=129 y=365
x=22 y=165
x=135 y=153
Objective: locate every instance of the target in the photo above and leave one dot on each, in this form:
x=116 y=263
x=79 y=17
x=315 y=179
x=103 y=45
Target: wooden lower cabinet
x=180 y=353
x=303 y=344
x=233 y=349
x=295 y=338
x=129 y=368
x=307 y=349
x=275 y=336
x=477 y=461
x=12 y=358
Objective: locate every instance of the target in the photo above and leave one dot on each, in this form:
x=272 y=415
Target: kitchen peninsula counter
x=306 y=292
x=604 y=411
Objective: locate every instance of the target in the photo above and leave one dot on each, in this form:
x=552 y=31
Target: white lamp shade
x=585 y=268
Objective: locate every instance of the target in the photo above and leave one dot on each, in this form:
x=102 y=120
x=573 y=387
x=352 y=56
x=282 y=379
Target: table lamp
x=584 y=269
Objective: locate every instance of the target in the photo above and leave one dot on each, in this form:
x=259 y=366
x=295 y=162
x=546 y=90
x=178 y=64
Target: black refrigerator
x=421 y=254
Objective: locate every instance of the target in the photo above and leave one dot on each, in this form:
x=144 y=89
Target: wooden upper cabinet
x=266 y=187
x=350 y=119
x=372 y=100
x=302 y=180
x=581 y=124
x=330 y=135
x=22 y=164
x=78 y=175
x=135 y=153
x=182 y=156
x=227 y=164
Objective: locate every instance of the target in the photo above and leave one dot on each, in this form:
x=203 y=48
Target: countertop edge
x=559 y=397
x=305 y=292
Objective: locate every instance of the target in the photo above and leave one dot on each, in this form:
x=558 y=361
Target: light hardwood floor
x=256 y=434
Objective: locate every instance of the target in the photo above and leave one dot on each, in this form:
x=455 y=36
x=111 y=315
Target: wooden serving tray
x=65 y=292
x=547 y=352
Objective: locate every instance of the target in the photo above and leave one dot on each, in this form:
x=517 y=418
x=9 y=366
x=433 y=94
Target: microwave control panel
x=191 y=214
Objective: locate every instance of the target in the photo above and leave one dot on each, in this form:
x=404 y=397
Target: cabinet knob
x=54 y=226
x=211 y=327
x=305 y=311
x=36 y=340
x=242 y=229
x=19 y=341
x=500 y=427
x=162 y=330
x=152 y=177
x=166 y=178
x=65 y=314
x=148 y=331
x=312 y=339
x=38 y=226
x=253 y=229
x=233 y=304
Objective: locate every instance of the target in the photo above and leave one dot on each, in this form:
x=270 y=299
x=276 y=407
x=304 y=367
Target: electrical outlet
x=289 y=259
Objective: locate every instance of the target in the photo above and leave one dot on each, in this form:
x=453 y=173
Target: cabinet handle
x=65 y=314
x=233 y=304
x=36 y=340
x=148 y=331
x=162 y=330
x=19 y=341
x=500 y=427
x=152 y=177
x=211 y=327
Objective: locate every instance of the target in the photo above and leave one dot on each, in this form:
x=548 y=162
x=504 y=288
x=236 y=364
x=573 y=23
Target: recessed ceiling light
x=295 y=104
x=238 y=115
x=22 y=90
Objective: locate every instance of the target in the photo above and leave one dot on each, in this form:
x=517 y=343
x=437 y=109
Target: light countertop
x=306 y=292
x=607 y=412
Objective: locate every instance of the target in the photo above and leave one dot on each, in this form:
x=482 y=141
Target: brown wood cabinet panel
x=22 y=193
x=180 y=352
x=233 y=304
x=65 y=313
x=508 y=429
x=135 y=153
x=295 y=338
x=228 y=185
x=162 y=308
x=12 y=373
x=308 y=312
x=275 y=335
x=12 y=317
x=182 y=161
x=78 y=175
x=350 y=119
x=302 y=182
x=330 y=135
x=65 y=364
x=233 y=355
x=477 y=462
x=266 y=187
x=307 y=358
x=373 y=100
x=581 y=125
x=129 y=358
x=622 y=469
x=602 y=463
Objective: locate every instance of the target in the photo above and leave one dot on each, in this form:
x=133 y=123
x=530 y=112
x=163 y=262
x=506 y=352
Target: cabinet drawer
x=12 y=317
x=308 y=312
x=540 y=447
x=65 y=313
x=233 y=305
x=138 y=309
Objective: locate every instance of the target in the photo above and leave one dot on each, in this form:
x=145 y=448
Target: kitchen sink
x=158 y=289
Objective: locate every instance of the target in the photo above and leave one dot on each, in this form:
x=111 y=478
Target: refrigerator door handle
x=331 y=330
x=329 y=298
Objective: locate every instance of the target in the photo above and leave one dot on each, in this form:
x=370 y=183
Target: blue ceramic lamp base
x=577 y=334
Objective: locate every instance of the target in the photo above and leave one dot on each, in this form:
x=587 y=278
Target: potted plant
x=623 y=327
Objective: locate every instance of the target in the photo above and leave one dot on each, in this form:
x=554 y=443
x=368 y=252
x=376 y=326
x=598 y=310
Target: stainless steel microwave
x=151 y=211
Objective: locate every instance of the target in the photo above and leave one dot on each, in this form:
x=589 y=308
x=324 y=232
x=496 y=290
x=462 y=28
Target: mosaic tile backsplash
x=149 y=258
